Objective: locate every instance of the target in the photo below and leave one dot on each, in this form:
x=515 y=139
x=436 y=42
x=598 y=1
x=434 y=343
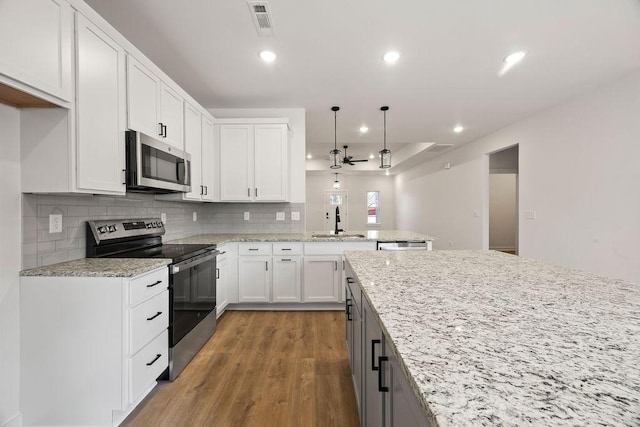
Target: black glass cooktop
x=174 y=252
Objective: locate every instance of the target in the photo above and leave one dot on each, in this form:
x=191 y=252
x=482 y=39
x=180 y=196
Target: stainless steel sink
x=335 y=236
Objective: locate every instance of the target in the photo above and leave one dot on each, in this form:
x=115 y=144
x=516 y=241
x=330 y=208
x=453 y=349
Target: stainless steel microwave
x=156 y=167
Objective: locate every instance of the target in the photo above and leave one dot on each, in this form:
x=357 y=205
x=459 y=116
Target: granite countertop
x=99 y=267
x=370 y=235
x=493 y=339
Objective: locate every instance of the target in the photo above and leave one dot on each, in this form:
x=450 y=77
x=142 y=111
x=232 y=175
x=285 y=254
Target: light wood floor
x=261 y=369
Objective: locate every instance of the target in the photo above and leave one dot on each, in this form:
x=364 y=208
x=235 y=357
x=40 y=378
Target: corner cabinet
x=153 y=107
x=91 y=347
x=253 y=161
x=36 y=46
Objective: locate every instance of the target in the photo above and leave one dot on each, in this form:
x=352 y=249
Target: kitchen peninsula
x=486 y=338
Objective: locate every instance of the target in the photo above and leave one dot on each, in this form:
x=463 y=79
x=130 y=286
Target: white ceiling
x=330 y=53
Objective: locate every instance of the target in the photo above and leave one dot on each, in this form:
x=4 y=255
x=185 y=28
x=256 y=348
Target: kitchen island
x=486 y=338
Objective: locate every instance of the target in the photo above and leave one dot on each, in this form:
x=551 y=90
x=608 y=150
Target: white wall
x=357 y=187
x=297 y=140
x=578 y=171
x=10 y=207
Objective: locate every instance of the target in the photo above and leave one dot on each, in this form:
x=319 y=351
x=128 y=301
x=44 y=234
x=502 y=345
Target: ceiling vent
x=439 y=147
x=261 y=18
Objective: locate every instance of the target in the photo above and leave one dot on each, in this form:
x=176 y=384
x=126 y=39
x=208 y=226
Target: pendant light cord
x=385 y=129
x=335 y=130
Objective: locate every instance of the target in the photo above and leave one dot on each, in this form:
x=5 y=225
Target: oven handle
x=191 y=262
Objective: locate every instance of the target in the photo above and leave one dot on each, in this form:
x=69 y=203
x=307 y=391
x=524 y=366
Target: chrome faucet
x=337 y=230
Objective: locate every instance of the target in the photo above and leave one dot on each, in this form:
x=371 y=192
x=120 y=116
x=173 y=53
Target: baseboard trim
x=287 y=306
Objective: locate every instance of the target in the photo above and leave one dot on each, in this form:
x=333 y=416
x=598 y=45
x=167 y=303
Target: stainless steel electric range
x=192 y=280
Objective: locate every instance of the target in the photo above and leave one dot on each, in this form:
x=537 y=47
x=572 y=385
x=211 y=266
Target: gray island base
x=486 y=338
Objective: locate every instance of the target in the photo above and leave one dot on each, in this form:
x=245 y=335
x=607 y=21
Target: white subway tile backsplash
x=42 y=248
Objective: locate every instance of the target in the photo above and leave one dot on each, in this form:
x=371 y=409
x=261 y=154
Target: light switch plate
x=295 y=216
x=279 y=216
x=246 y=216
x=55 y=223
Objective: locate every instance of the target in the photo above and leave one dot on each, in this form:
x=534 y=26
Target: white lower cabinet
x=383 y=392
x=91 y=347
x=254 y=278
x=287 y=272
x=322 y=277
x=222 y=280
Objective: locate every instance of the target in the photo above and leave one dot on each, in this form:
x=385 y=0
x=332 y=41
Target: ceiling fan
x=349 y=160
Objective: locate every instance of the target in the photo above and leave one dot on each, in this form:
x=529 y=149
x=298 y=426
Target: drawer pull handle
x=217 y=273
x=350 y=280
x=154 y=284
x=158 y=356
x=154 y=316
x=373 y=355
x=286 y=249
x=253 y=249
x=381 y=388
x=348 y=306
x=286 y=259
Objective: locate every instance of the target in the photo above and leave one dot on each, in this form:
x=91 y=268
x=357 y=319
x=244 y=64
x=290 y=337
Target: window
x=373 y=212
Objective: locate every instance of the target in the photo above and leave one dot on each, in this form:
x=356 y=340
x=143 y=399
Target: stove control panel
x=116 y=229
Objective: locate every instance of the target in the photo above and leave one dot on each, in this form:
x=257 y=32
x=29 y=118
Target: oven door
x=154 y=166
x=192 y=294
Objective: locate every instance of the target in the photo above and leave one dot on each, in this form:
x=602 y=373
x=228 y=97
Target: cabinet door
x=236 y=163
x=171 y=116
x=254 y=278
x=357 y=356
x=208 y=161
x=100 y=110
x=271 y=165
x=402 y=408
x=36 y=44
x=193 y=146
x=142 y=97
x=222 y=280
x=322 y=278
x=372 y=345
x=286 y=278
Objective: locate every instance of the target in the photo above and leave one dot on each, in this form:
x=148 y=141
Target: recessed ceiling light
x=267 y=56
x=371 y=156
x=309 y=156
x=364 y=129
x=514 y=58
x=458 y=129
x=391 y=57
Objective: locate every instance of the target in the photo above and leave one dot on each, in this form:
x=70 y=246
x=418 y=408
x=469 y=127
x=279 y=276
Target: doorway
x=503 y=200
x=336 y=199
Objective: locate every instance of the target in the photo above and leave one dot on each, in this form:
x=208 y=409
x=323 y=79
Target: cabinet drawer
x=143 y=288
x=254 y=249
x=287 y=249
x=148 y=320
x=147 y=365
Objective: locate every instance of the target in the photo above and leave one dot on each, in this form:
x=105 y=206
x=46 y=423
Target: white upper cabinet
x=193 y=146
x=154 y=108
x=209 y=162
x=36 y=45
x=253 y=162
x=100 y=79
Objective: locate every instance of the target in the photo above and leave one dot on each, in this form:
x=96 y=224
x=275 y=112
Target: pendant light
x=335 y=154
x=336 y=183
x=385 y=154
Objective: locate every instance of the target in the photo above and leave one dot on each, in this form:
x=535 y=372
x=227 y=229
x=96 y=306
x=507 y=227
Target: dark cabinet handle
x=165 y=130
x=206 y=190
x=256 y=192
x=350 y=280
x=154 y=316
x=286 y=249
x=381 y=374
x=335 y=265
x=253 y=249
x=154 y=284
x=217 y=273
x=343 y=264
x=285 y=259
x=266 y=265
x=248 y=192
x=347 y=309
x=161 y=129
x=124 y=176
x=158 y=356
x=373 y=355
x=202 y=190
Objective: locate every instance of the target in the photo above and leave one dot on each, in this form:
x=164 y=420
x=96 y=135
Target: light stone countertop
x=370 y=235
x=492 y=339
x=99 y=267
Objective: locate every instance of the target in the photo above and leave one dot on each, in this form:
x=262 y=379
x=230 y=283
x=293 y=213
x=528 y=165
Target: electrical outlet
x=530 y=214
x=450 y=244
x=295 y=216
x=247 y=216
x=279 y=216
x=195 y=216
x=476 y=214
x=55 y=223
x=163 y=217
